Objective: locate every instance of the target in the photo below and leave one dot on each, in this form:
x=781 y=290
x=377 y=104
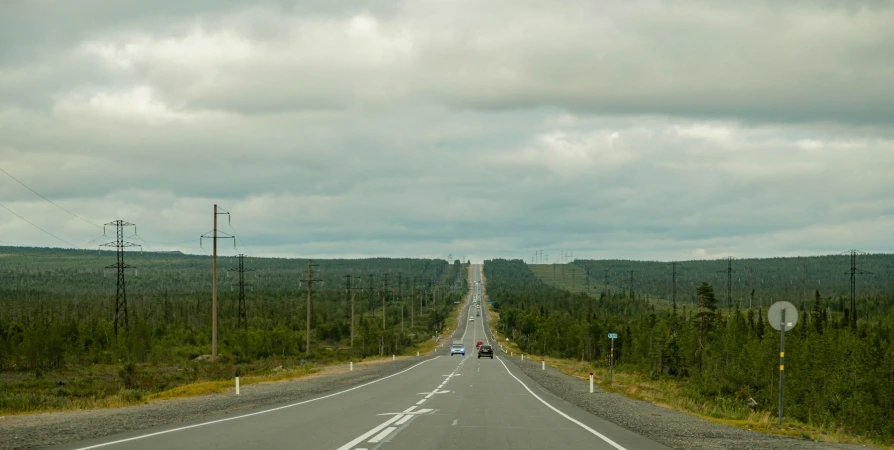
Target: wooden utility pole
x=214 y=289
x=400 y=296
x=384 y=289
x=214 y=237
x=310 y=282
x=352 y=311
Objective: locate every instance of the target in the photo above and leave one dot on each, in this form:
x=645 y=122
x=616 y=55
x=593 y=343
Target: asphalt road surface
x=444 y=402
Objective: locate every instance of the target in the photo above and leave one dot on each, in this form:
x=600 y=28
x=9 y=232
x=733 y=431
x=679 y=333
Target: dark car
x=486 y=351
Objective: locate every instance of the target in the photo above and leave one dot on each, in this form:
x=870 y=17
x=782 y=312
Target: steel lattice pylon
x=121 y=292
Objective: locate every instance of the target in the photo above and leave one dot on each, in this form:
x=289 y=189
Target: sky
x=659 y=130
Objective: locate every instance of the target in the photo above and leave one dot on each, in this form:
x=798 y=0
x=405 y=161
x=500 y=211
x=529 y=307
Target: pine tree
x=818 y=313
x=705 y=319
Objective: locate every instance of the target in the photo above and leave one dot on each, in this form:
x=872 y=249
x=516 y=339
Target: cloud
x=646 y=129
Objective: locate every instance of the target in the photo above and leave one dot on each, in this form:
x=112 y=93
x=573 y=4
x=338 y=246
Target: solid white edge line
x=369 y=433
x=255 y=413
x=573 y=420
x=382 y=435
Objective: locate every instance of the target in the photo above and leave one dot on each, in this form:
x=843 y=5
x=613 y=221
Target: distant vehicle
x=458 y=349
x=486 y=351
x=478 y=314
x=479 y=344
x=471 y=319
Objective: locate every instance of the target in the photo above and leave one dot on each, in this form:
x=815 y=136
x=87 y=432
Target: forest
x=839 y=374
x=57 y=337
x=754 y=282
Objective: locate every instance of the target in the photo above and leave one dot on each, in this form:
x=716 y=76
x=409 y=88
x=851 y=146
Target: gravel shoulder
x=669 y=427
x=33 y=431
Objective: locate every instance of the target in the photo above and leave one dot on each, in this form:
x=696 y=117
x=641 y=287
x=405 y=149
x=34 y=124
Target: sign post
x=783 y=316
x=611 y=359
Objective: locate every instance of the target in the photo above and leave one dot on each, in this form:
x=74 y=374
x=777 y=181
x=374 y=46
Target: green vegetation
x=717 y=359
x=756 y=283
x=58 y=349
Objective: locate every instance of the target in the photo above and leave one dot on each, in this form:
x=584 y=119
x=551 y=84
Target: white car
x=471 y=319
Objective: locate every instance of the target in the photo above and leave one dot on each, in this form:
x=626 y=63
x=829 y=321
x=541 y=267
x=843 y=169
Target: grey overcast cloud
x=638 y=129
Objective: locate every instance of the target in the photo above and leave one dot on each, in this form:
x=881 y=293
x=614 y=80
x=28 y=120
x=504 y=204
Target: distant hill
x=70 y=271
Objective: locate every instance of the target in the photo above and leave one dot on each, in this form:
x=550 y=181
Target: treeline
x=756 y=282
x=834 y=375
x=58 y=305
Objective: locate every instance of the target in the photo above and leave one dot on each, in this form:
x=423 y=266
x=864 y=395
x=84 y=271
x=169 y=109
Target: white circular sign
x=774 y=315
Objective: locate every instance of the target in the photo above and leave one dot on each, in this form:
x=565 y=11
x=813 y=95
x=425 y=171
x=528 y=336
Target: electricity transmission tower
x=349 y=287
x=605 y=281
x=853 y=272
x=243 y=316
x=588 y=280
x=121 y=293
x=400 y=297
x=310 y=284
x=674 y=285
x=413 y=304
x=383 y=292
x=371 y=291
x=214 y=237
x=729 y=281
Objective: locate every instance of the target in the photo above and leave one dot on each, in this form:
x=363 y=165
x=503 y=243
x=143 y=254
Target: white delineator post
x=237 y=385
x=523 y=356
x=591 y=382
x=352 y=366
x=542 y=365
x=392 y=357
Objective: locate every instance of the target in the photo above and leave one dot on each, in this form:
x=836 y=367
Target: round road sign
x=774 y=315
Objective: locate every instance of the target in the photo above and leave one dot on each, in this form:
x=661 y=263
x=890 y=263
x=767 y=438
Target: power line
x=39 y=228
x=237 y=235
x=51 y=202
x=139 y=238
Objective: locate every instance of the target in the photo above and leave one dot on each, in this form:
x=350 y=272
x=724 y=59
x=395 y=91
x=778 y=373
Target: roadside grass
x=671 y=393
x=100 y=385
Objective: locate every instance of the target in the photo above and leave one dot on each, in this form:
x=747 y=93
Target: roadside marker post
x=542 y=365
x=352 y=366
x=783 y=316
x=523 y=356
x=591 y=382
x=237 y=385
x=611 y=359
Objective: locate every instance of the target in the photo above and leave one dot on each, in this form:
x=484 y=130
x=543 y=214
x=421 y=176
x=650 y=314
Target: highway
x=442 y=402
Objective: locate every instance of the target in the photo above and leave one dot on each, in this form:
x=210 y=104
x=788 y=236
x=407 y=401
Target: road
x=442 y=402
